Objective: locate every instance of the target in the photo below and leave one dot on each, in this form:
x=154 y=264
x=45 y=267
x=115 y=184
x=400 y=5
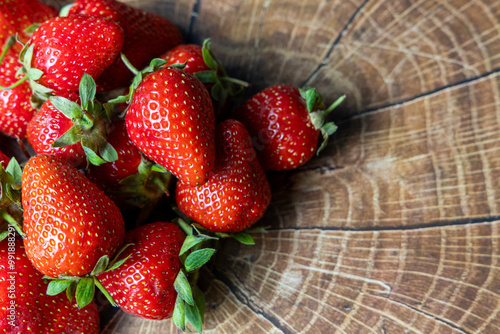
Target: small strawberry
x=284 y=122
x=144 y=284
x=131 y=179
x=69 y=223
x=56 y=56
x=147 y=35
x=201 y=62
x=75 y=132
x=24 y=305
x=170 y=119
x=237 y=194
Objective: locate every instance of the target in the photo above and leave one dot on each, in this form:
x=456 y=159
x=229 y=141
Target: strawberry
x=11 y=211
x=75 y=132
x=131 y=179
x=144 y=284
x=24 y=306
x=284 y=123
x=18 y=15
x=237 y=194
x=69 y=223
x=170 y=119
x=147 y=35
x=15 y=106
x=56 y=56
x=201 y=62
x=4 y=160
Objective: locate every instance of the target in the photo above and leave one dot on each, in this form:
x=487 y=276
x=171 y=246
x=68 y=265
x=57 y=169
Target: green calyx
x=318 y=114
x=90 y=119
x=11 y=211
x=83 y=287
x=224 y=87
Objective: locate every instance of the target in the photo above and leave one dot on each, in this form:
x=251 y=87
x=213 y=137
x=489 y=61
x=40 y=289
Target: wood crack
x=432 y=224
x=245 y=300
x=427 y=314
x=334 y=44
x=193 y=17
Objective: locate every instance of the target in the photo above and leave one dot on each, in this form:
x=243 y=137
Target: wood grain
x=395 y=227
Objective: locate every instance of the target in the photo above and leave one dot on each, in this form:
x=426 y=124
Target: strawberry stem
x=129 y=65
x=8 y=44
x=4 y=215
x=15 y=84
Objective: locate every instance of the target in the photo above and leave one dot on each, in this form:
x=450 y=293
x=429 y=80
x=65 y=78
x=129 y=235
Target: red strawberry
x=144 y=284
x=4 y=160
x=130 y=179
x=62 y=56
x=191 y=54
x=24 y=305
x=17 y=15
x=147 y=35
x=49 y=124
x=171 y=120
x=237 y=194
x=284 y=123
x=69 y=223
x=15 y=105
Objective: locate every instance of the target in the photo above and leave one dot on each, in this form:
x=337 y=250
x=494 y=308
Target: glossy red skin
x=237 y=194
x=49 y=124
x=143 y=284
x=20 y=14
x=4 y=160
x=108 y=176
x=279 y=124
x=15 y=106
x=35 y=311
x=64 y=56
x=69 y=223
x=147 y=35
x=191 y=54
x=171 y=120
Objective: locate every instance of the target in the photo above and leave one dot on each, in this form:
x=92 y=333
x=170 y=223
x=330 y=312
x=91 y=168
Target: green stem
x=235 y=81
x=15 y=84
x=8 y=44
x=104 y=291
x=129 y=64
x=12 y=222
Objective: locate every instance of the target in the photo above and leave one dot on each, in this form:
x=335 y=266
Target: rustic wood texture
x=395 y=227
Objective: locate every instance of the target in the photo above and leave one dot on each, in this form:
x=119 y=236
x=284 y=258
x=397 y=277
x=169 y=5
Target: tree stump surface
x=395 y=227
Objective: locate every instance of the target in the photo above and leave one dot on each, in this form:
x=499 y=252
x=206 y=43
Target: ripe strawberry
x=191 y=54
x=171 y=120
x=130 y=179
x=4 y=160
x=147 y=35
x=24 y=306
x=15 y=106
x=284 y=123
x=237 y=194
x=17 y=15
x=144 y=284
x=69 y=223
x=61 y=56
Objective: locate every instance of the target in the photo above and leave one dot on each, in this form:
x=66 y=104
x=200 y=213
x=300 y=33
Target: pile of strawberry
x=121 y=115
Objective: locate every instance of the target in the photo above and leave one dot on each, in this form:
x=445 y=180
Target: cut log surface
x=395 y=227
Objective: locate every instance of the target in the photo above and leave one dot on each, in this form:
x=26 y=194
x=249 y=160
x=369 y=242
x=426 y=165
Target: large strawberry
x=171 y=120
x=24 y=305
x=285 y=123
x=237 y=194
x=69 y=223
x=144 y=284
x=147 y=35
x=56 y=56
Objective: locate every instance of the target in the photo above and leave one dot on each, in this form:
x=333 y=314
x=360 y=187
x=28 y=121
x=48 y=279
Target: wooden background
x=395 y=227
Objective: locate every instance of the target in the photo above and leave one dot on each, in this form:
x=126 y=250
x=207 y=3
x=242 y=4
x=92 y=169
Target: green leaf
x=35 y=73
x=311 y=96
x=109 y=153
x=100 y=266
x=14 y=169
x=27 y=55
x=329 y=128
x=207 y=76
x=194 y=317
x=179 y=315
x=4 y=234
x=40 y=89
x=190 y=242
x=244 y=238
x=119 y=99
x=70 y=137
x=87 y=90
x=198 y=258
x=55 y=287
x=70 y=291
x=104 y=291
x=85 y=292
x=199 y=300
x=69 y=108
x=181 y=285
x=157 y=63
x=118 y=263
x=93 y=157
x=159 y=168
x=207 y=54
